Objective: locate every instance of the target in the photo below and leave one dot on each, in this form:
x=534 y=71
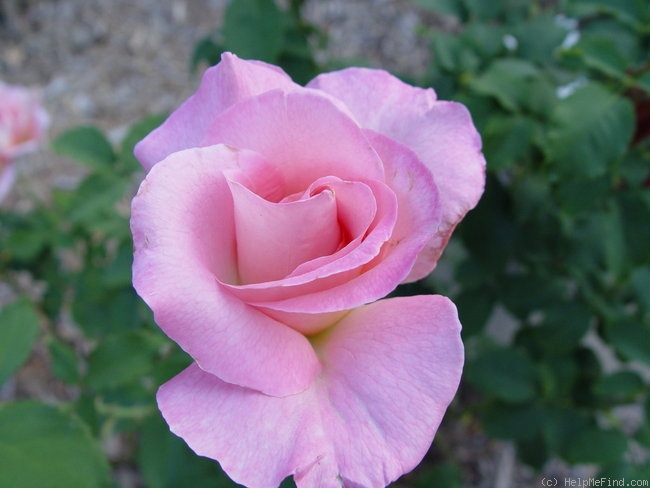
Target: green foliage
x=560 y=239
x=260 y=29
x=559 y=248
x=42 y=445
x=166 y=461
x=79 y=244
x=18 y=329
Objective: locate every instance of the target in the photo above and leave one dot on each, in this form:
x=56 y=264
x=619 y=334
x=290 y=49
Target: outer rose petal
x=223 y=85
x=183 y=230
x=440 y=133
x=390 y=369
x=304 y=134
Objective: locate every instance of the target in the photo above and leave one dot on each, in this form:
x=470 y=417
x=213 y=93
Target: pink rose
x=272 y=219
x=23 y=122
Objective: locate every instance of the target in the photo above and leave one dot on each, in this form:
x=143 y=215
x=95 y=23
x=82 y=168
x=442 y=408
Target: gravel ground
x=111 y=62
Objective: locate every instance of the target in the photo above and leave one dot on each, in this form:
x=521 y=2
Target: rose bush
x=23 y=122
x=271 y=220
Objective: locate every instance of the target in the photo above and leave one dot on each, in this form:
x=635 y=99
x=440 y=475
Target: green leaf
x=117 y=273
x=533 y=452
x=634 y=209
x=206 y=51
x=253 y=29
x=453 y=54
x=100 y=311
x=482 y=10
x=86 y=145
x=640 y=284
x=564 y=325
x=558 y=373
x=474 y=307
x=508 y=80
x=488 y=231
x=538 y=38
x=631 y=339
x=508 y=141
x=165 y=461
x=485 y=39
x=19 y=324
x=42 y=446
x=594 y=445
x=643 y=435
x=447 y=7
x=584 y=195
x=603 y=55
x=614 y=241
x=121 y=359
x=504 y=373
x=590 y=130
x=94 y=199
x=561 y=426
x=136 y=133
x=517 y=422
x=643 y=81
x=619 y=387
x=64 y=361
x=24 y=244
x=445 y=475
x=632 y=12
x=523 y=294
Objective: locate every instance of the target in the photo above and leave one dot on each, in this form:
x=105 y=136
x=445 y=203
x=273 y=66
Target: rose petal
x=440 y=133
x=223 y=85
x=416 y=199
x=338 y=269
x=356 y=210
x=23 y=121
x=302 y=133
x=183 y=227
x=390 y=370
x=274 y=238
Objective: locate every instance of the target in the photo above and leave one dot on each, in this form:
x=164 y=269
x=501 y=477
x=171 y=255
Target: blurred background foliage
x=551 y=272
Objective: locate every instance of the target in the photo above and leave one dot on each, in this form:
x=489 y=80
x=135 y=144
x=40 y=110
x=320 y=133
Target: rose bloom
x=271 y=220
x=23 y=122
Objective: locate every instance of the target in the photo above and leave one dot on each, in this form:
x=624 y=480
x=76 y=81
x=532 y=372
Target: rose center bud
x=273 y=238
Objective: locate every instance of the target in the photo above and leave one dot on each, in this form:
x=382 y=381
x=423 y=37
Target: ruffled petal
x=223 y=85
x=441 y=134
x=416 y=200
x=184 y=235
x=274 y=238
x=390 y=369
x=336 y=270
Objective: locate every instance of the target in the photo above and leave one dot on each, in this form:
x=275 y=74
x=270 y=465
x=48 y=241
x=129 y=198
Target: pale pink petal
x=183 y=227
x=325 y=280
x=223 y=85
x=274 y=238
x=440 y=133
x=23 y=121
x=390 y=369
x=418 y=218
x=302 y=133
x=356 y=211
